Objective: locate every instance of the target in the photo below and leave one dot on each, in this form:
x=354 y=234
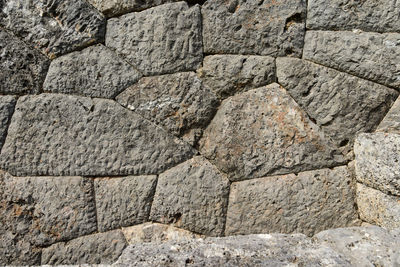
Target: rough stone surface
x=23 y=68
x=123 y=201
x=95 y=71
x=264 y=132
x=230 y=74
x=343 y=105
x=103 y=248
x=391 y=122
x=378 y=208
x=7 y=105
x=54 y=26
x=159 y=40
x=178 y=102
x=372 y=56
x=192 y=196
x=54 y=134
x=377 y=161
x=274 y=28
x=307 y=203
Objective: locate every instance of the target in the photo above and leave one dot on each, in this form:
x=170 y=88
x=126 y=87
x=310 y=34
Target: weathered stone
x=372 y=56
x=377 y=161
x=159 y=40
x=123 y=201
x=230 y=74
x=341 y=104
x=366 y=15
x=103 y=248
x=307 y=203
x=378 y=208
x=54 y=134
x=7 y=105
x=23 y=69
x=94 y=71
x=193 y=196
x=264 y=132
x=156 y=233
x=179 y=102
x=274 y=28
x=391 y=122
x=54 y=26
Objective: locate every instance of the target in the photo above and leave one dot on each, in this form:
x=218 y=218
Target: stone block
x=7 y=105
x=391 y=122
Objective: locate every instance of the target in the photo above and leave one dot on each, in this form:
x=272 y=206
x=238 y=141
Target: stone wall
x=127 y=121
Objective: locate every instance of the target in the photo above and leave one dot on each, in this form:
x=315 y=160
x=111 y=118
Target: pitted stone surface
x=123 y=201
x=230 y=74
x=54 y=26
x=307 y=203
x=178 y=102
x=391 y=122
x=343 y=105
x=7 y=104
x=192 y=196
x=95 y=72
x=264 y=132
x=23 y=68
x=54 y=134
x=103 y=248
x=371 y=56
x=159 y=40
x=273 y=28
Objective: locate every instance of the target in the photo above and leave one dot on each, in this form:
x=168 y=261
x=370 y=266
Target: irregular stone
x=341 y=104
x=230 y=74
x=7 y=105
x=54 y=134
x=55 y=27
x=307 y=203
x=192 y=196
x=377 y=161
x=94 y=72
x=123 y=201
x=371 y=56
x=159 y=40
x=273 y=28
x=103 y=248
x=378 y=208
x=179 y=102
x=23 y=69
x=156 y=233
x=366 y=15
x=264 y=132
x=391 y=122
x=364 y=246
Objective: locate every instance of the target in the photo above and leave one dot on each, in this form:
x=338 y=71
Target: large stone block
x=95 y=72
x=273 y=28
x=159 y=40
x=372 y=56
x=123 y=201
x=307 y=203
x=391 y=122
x=54 y=134
x=193 y=196
x=264 y=132
x=7 y=105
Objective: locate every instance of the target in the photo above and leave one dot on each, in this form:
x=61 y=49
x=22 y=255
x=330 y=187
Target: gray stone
x=371 y=56
x=178 y=102
x=123 y=201
x=264 y=132
x=7 y=105
x=341 y=104
x=305 y=203
x=366 y=15
x=378 y=208
x=377 y=161
x=230 y=74
x=103 y=248
x=95 y=72
x=55 y=27
x=23 y=68
x=192 y=196
x=274 y=28
x=159 y=40
x=54 y=134
x=391 y=122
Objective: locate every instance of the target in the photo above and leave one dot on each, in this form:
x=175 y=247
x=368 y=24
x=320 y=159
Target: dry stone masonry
x=200 y=133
